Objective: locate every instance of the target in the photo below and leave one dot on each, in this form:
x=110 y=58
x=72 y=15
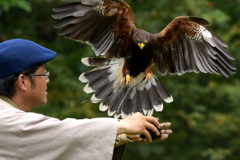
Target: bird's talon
x=148 y=77
x=127 y=80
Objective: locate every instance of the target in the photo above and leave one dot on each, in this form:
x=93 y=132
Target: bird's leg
x=126 y=73
x=148 y=73
x=148 y=76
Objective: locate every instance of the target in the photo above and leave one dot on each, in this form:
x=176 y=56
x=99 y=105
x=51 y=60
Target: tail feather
x=94 y=99
x=115 y=106
x=145 y=101
x=161 y=90
x=137 y=103
x=93 y=85
x=88 y=89
x=126 y=108
x=99 y=83
x=155 y=100
x=100 y=61
x=108 y=84
x=104 y=91
x=93 y=74
x=103 y=106
x=115 y=99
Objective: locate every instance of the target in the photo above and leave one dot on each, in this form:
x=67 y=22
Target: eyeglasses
x=46 y=74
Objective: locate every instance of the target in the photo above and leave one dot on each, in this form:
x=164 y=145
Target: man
x=30 y=136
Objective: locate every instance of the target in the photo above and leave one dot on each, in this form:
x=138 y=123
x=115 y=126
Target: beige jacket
x=31 y=136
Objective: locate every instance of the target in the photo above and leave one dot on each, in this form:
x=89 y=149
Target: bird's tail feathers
x=104 y=79
x=107 y=82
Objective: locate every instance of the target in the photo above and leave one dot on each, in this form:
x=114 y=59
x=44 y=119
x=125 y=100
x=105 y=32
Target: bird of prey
x=123 y=79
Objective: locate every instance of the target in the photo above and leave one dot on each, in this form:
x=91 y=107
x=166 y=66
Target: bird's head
x=141 y=38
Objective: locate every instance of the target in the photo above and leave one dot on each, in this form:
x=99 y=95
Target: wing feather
x=100 y=23
x=187 y=55
x=187 y=46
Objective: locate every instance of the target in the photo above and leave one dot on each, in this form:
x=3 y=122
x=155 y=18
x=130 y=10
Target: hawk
x=123 y=79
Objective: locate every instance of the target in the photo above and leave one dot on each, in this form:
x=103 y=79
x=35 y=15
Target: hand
x=138 y=124
x=164 y=134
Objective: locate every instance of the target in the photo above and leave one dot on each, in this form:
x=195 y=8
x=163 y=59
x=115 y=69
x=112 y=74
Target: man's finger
x=153 y=128
x=154 y=121
x=147 y=135
x=165 y=125
x=166 y=131
x=163 y=137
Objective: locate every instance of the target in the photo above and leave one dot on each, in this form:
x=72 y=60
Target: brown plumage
x=185 y=45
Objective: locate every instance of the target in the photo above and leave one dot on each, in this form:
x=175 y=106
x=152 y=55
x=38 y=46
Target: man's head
x=7 y=87
x=22 y=68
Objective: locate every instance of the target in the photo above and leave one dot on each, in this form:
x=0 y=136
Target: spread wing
x=104 y=24
x=185 y=45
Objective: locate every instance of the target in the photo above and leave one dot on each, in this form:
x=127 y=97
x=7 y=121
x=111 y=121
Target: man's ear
x=22 y=82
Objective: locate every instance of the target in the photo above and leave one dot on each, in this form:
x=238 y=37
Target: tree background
x=205 y=113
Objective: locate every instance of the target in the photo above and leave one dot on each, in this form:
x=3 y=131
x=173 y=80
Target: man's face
x=38 y=93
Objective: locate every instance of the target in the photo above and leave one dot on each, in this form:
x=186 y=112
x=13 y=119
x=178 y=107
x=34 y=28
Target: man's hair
x=7 y=84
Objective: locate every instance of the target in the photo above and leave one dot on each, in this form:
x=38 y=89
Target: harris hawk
x=123 y=79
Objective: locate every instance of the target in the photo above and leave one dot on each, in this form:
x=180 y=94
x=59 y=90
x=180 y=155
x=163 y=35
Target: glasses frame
x=46 y=74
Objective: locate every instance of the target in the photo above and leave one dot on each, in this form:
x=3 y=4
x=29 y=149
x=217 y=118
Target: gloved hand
x=123 y=138
x=163 y=135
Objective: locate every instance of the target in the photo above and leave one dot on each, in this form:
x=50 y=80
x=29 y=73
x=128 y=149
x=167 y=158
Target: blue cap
x=17 y=55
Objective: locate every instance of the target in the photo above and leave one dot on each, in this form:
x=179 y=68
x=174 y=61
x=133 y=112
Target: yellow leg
x=128 y=79
x=148 y=77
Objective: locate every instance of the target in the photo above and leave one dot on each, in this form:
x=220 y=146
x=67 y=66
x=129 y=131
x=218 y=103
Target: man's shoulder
x=4 y=104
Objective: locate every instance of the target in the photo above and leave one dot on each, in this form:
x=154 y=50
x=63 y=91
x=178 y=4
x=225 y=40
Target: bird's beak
x=141 y=45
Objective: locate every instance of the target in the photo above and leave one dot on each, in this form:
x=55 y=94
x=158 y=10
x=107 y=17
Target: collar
x=8 y=100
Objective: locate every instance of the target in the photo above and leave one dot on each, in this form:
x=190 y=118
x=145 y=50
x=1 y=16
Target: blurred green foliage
x=205 y=114
x=23 y=4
